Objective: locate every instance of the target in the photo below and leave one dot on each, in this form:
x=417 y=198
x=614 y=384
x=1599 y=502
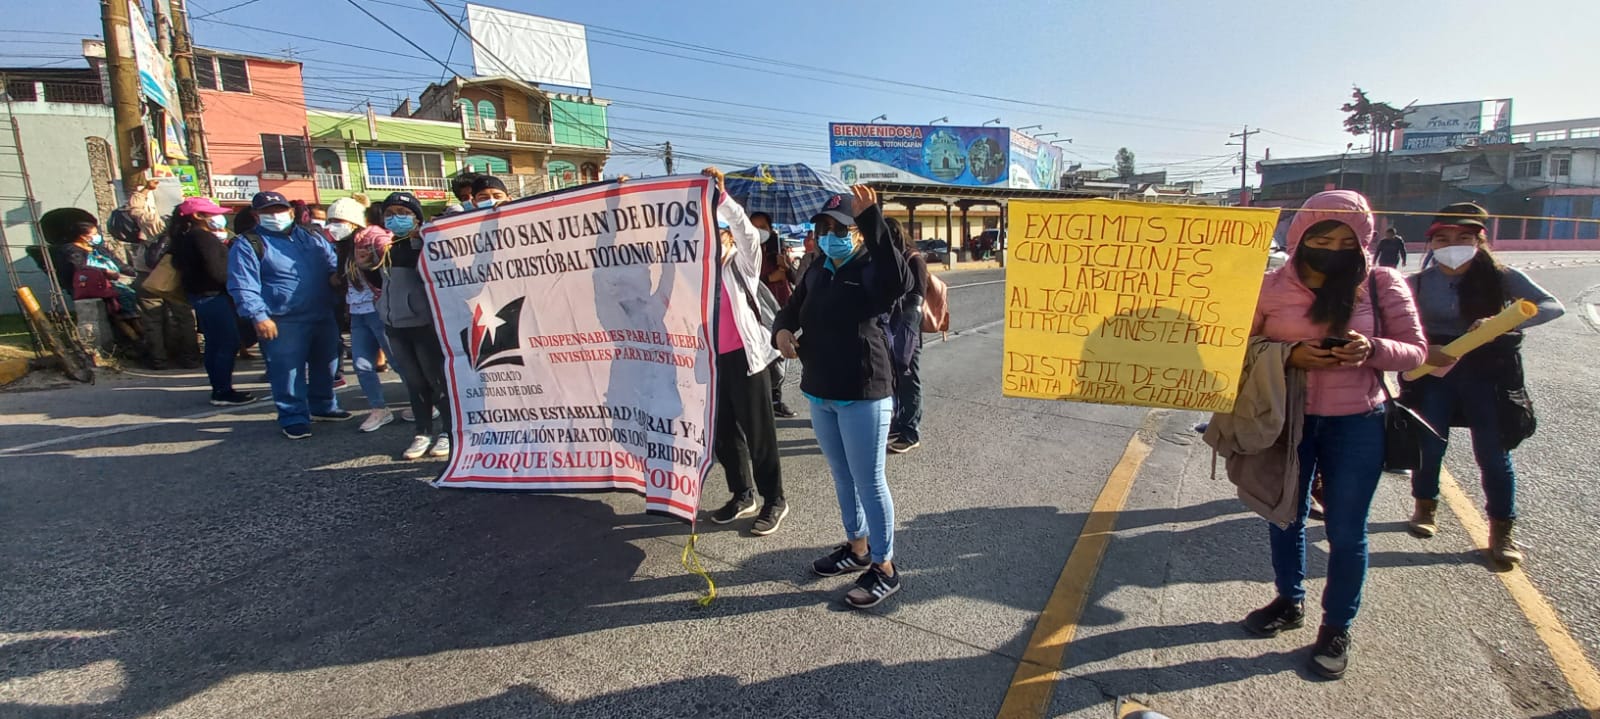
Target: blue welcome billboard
x=926 y=154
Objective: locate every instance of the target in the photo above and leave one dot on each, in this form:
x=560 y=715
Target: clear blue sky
x=1168 y=80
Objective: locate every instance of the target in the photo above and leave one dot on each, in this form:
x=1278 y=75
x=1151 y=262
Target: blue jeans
x=301 y=363
x=215 y=317
x=1349 y=452
x=366 y=338
x=1438 y=399
x=854 y=437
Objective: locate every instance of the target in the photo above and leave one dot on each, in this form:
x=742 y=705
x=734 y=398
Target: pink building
x=255 y=123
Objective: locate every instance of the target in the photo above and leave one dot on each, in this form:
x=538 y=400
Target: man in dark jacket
x=1391 y=249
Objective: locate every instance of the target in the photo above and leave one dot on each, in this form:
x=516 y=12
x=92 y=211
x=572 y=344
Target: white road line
x=970 y=330
x=976 y=284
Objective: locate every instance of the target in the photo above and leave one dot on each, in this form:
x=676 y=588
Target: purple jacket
x=1285 y=303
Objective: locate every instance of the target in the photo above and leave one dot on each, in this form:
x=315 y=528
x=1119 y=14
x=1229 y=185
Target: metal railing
x=330 y=182
x=506 y=130
x=396 y=182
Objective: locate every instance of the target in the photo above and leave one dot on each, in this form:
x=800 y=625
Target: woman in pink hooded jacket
x=1320 y=301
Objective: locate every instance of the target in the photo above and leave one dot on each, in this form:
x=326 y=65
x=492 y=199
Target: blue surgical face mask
x=97 y=240
x=400 y=224
x=277 y=221
x=217 y=222
x=837 y=247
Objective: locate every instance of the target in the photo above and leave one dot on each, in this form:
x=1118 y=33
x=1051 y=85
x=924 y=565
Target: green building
x=377 y=155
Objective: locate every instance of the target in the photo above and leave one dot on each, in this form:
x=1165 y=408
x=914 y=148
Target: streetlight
x=986 y=122
x=1057 y=143
x=1029 y=127
x=946 y=118
x=1047 y=134
x=880 y=117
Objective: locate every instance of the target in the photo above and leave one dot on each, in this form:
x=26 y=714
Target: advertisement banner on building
x=234 y=188
x=1131 y=303
x=1035 y=165
x=611 y=392
x=528 y=47
x=155 y=71
x=927 y=154
x=1457 y=124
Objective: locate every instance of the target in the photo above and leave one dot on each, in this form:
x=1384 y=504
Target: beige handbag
x=163 y=281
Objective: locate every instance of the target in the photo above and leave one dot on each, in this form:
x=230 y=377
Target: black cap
x=487 y=182
x=406 y=200
x=1463 y=214
x=263 y=200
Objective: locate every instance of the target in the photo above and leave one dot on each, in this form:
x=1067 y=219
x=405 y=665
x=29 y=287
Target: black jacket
x=844 y=349
x=201 y=261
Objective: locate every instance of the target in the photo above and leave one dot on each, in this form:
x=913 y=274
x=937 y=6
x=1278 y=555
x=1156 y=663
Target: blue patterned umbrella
x=789 y=194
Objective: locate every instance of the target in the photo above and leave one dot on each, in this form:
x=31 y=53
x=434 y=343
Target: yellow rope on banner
x=691 y=562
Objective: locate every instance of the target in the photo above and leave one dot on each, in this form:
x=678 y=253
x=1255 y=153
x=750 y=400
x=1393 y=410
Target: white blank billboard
x=532 y=48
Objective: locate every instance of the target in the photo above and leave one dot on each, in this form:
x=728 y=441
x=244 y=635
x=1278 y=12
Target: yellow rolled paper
x=1519 y=312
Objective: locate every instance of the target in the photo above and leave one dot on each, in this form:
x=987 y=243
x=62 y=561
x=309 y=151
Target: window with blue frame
x=405 y=170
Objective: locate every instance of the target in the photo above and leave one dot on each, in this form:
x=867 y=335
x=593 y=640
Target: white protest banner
x=577 y=336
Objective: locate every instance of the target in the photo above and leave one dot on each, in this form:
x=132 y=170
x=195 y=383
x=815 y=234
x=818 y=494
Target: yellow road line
x=1565 y=650
x=1035 y=680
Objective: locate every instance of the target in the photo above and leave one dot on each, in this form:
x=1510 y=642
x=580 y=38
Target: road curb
x=12 y=370
x=938 y=269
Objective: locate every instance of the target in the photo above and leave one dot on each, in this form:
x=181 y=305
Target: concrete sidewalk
x=1438 y=634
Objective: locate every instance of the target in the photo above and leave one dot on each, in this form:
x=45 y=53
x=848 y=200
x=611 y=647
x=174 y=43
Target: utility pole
x=667 y=158
x=158 y=15
x=1244 y=159
x=189 y=92
x=133 y=153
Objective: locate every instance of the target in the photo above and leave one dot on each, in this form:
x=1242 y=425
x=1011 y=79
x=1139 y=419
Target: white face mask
x=1455 y=256
x=340 y=230
x=765 y=235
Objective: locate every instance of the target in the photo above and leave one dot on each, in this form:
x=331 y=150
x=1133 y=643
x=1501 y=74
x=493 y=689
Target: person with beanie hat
x=402 y=302
x=347 y=224
x=488 y=191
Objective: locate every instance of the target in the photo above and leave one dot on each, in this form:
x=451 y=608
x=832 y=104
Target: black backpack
x=122 y=227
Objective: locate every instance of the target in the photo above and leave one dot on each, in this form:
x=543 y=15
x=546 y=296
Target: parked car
x=935 y=251
x=1276 y=258
x=986 y=245
x=795 y=247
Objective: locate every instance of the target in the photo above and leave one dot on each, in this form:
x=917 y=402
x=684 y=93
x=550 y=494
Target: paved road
x=165 y=560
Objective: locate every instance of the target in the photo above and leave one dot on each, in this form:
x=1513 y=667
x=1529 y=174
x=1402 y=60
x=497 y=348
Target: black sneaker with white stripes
x=736 y=508
x=840 y=561
x=872 y=588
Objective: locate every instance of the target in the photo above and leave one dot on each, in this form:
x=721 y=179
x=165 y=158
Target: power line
x=226 y=9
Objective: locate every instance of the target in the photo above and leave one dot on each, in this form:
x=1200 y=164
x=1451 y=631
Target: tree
x=1379 y=119
x=1363 y=116
x=1125 y=163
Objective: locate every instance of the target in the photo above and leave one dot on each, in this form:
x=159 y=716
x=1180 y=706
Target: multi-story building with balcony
x=377 y=155
x=532 y=139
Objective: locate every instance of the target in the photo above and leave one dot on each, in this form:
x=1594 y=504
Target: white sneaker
x=441 y=446
x=419 y=447
x=375 y=419
x=406 y=415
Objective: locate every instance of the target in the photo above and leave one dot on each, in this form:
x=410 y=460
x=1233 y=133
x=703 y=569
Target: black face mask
x=1330 y=262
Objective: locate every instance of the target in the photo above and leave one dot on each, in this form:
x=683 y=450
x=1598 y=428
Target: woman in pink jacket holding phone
x=1320 y=300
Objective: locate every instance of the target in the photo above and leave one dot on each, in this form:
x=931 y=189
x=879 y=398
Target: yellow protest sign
x=1130 y=302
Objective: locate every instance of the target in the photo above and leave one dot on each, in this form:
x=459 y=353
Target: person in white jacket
x=746 y=435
